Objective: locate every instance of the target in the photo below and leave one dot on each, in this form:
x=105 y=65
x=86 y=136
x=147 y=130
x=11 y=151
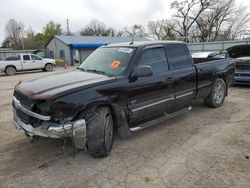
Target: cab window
x=26 y=57
x=156 y=59
x=35 y=57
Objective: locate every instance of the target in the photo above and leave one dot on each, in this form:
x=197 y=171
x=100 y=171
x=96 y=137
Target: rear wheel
x=100 y=133
x=10 y=71
x=217 y=95
x=48 y=67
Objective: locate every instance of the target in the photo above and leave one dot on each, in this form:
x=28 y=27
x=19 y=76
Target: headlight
x=45 y=107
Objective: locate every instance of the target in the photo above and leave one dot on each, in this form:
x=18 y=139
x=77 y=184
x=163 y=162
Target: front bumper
x=51 y=130
x=243 y=80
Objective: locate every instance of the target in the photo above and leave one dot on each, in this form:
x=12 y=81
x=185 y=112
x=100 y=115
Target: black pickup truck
x=124 y=86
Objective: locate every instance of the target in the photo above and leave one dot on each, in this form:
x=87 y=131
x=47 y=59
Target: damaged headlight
x=45 y=107
x=62 y=111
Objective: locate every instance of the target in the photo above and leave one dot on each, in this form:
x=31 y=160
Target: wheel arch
x=10 y=66
x=118 y=114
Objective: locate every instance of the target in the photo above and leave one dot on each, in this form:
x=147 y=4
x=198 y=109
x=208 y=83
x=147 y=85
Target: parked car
x=213 y=55
x=23 y=62
x=242 y=72
x=241 y=54
x=127 y=86
x=207 y=56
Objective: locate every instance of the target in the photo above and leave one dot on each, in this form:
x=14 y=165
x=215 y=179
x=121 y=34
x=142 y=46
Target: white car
x=209 y=55
x=22 y=62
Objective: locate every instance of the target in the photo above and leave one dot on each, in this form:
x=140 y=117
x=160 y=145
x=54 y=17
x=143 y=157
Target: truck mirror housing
x=142 y=71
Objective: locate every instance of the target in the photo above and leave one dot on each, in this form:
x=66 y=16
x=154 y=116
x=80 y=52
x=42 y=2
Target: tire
x=100 y=133
x=48 y=67
x=217 y=95
x=10 y=71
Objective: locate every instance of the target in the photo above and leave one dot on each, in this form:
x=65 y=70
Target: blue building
x=75 y=49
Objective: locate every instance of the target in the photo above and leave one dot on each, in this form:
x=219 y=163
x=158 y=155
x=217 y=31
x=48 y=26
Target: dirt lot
x=203 y=148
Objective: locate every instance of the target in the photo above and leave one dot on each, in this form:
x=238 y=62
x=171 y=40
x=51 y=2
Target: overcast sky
x=114 y=13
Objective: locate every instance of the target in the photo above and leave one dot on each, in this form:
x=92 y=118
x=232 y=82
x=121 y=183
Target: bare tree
x=136 y=30
x=187 y=12
x=97 y=28
x=222 y=21
x=161 y=30
x=14 y=32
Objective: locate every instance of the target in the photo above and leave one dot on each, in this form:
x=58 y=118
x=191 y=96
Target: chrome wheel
x=219 y=92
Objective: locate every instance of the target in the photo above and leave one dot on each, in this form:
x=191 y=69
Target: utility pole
x=68 y=32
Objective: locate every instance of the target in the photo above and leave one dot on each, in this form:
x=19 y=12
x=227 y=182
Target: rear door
x=150 y=97
x=184 y=74
x=37 y=61
x=27 y=62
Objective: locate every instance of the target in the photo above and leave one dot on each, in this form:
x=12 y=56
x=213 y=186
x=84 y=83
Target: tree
x=97 y=28
x=14 y=33
x=51 y=29
x=223 y=21
x=32 y=40
x=6 y=43
x=187 y=12
x=161 y=30
x=136 y=30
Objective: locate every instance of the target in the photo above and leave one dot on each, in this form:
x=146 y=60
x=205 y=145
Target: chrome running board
x=164 y=118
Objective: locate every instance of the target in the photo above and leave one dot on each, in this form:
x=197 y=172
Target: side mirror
x=142 y=71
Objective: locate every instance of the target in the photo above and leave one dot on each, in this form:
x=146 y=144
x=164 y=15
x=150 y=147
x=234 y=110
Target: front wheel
x=217 y=95
x=48 y=67
x=100 y=133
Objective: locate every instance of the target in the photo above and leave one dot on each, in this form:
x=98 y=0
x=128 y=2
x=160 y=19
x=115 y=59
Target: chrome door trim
x=152 y=104
x=184 y=95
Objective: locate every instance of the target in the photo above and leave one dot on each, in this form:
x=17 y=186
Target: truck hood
x=49 y=60
x=54 y=86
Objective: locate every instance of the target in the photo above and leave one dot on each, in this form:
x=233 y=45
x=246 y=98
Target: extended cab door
x=37 y=61
x=150 y=97
x=27 y=62
x=184 y=74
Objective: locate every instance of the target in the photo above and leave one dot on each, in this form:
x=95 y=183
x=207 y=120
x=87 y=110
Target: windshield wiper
x=92 y=70
x=96 y=71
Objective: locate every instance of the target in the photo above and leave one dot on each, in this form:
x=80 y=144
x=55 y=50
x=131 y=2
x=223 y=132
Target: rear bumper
x=49 y=129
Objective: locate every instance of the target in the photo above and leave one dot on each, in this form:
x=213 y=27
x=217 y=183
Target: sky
x=114 y=13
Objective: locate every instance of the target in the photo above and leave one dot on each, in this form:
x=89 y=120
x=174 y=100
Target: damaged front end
x=52 y=126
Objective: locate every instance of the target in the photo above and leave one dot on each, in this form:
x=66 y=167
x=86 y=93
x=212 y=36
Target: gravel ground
x=203 y=148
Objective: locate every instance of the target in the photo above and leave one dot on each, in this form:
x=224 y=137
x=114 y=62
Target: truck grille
x=23 y=117
x=243 y=65
x=24 y=100
x=27 y=103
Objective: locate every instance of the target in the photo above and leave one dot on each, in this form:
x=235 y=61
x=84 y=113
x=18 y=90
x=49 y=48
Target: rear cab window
x=178 y=56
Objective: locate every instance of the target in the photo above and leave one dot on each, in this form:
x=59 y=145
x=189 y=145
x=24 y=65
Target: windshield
x=109 y=61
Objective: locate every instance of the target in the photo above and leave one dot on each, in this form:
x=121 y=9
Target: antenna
x=133 y=37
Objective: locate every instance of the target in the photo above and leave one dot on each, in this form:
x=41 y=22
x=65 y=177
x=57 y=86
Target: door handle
x=170 y=79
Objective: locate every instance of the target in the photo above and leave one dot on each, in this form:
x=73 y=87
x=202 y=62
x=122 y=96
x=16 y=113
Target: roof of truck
x=144 y=43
